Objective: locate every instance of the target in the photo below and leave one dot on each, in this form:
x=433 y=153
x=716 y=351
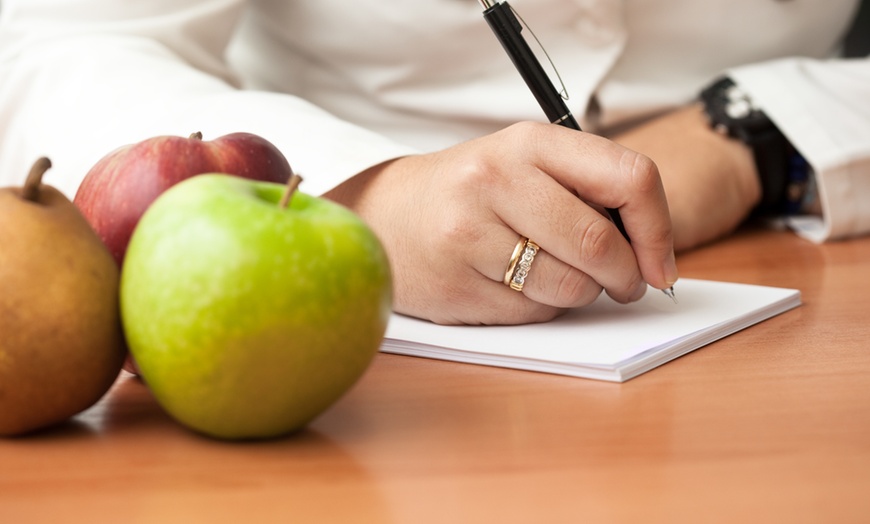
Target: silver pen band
x=562 y=118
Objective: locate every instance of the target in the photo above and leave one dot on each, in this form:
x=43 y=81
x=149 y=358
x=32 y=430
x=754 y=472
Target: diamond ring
x=520 y=263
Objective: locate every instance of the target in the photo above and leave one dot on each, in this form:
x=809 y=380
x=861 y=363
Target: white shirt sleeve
x=823 y=108
x=83 y=77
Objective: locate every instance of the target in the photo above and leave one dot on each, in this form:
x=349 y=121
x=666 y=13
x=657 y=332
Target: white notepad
x=605 y=340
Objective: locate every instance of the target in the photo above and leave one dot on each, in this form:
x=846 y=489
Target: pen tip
x=670 y=293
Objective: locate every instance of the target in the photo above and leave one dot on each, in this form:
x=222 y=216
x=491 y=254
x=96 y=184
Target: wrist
x=356 y=191
x=738 y=161
x=782 y=173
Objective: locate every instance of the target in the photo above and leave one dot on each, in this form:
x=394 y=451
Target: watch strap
x=781 y=170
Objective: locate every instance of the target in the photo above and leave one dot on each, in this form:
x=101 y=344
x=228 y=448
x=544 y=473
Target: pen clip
x=562 y=92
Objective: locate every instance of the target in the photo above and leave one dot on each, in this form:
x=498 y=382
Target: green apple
x=247 y=318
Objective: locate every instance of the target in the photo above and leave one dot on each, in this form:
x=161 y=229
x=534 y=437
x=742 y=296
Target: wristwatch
x=783 y=173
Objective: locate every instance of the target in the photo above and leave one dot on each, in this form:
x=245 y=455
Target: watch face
x=737 y=105
x=739 y=108
x=732 y=113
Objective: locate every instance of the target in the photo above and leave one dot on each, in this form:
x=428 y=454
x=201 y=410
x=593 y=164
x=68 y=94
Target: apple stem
x=292 y=184
x=34 y=179
x=196 y=136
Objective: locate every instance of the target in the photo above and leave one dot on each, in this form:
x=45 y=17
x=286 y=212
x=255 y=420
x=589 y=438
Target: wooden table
x=771 y=424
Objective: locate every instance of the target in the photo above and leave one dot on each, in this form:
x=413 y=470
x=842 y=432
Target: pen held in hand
x=503 y=21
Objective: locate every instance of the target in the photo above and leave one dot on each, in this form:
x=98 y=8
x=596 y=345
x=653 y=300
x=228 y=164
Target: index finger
x=604 y=173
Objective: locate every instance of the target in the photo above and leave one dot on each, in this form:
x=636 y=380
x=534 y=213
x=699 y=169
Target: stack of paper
x=605 y=340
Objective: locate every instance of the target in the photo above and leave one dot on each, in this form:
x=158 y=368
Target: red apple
x=120 y=187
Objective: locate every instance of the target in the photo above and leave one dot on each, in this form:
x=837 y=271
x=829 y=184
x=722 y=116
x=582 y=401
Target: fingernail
x=670 y=271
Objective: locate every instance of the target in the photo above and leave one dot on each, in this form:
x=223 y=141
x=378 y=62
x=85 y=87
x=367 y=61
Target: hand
x=450 y=220
x=710 y=180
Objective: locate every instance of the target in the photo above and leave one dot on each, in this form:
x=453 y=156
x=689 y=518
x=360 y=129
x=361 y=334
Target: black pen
x=503 y=22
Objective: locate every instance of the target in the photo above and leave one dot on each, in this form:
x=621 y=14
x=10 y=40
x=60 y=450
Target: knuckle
x=475 y=176
x=642 y=172
x=591 y=237
x=523 y=130
x=454 y=232
x=660 y=237
x=521 y=136
x=455 y=227
x=575 y=289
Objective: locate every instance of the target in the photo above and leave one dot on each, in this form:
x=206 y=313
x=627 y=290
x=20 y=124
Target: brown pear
x=61 y=343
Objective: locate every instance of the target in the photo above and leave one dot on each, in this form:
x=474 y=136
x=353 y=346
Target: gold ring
x=520 y=263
